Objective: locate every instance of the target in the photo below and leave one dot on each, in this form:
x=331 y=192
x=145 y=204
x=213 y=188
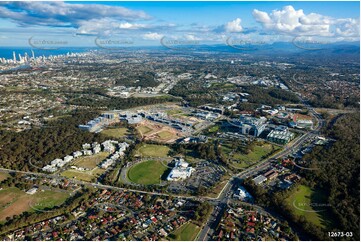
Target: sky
x=109 y=24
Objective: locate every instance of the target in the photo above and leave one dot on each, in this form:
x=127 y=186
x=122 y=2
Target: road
x=220 y=202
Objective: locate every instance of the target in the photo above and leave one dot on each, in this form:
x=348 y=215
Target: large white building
x=77 y=154
x=281 y=137
x=50 y=168
x=68 y=158
x=108 y=146
x=98 y=123
x=180 y=171
x=32 y=191
x=115 y=156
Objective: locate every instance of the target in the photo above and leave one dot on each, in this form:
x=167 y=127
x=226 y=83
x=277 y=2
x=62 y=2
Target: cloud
x=296 y=22
x=261 y=17
x=61 y=14
x=106 y=26
x=127 y=25
x=192 y=37
x=152 y=36
x=230 y=27
x=234 y=26
x=82 y=19
x=348 y=27
x=285 y=20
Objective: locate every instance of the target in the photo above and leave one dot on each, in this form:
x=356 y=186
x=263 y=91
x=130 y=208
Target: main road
x=222 y=199
x=220 y=202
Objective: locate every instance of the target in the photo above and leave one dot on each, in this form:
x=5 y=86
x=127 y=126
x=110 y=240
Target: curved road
x=219 y=202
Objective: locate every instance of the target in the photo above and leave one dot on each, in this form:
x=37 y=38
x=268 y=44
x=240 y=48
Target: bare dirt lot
x=158 y=132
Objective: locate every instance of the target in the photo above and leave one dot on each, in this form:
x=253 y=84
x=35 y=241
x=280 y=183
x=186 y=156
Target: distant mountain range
x=277 y=48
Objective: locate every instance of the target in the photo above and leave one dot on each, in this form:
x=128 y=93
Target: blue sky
x=146 y=23
x=226 y=11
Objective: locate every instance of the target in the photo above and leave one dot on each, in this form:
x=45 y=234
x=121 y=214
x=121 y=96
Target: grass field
x=150 y=150
x=213 y=129
x=3 y=176
x=14 y=201
x=48 y=199
x=214 y=192
x=166 y=135
x=115 y=132
x=91 y=161
x=144 y=130
x=147 y=173
x=78 y=175
x=256 y=154
x=174 y=112
x=312 y=205
x=246 y=160
x=98 y=171
x=186 y=232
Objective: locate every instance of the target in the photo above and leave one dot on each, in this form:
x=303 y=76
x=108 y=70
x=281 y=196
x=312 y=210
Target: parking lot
x=205 y=176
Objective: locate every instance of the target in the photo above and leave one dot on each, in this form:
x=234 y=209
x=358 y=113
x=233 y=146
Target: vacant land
x=186 y=232
x=78 y=175
x=213 y=129
x=245 y=160
x=147 y=172
x=311 y=204
x=150 y=130
x=116 y=132
x=166 y=135
x=174 y=112
x=258 y=153
x=150 y=150
x=48 y=199
x=214 y=192
x=144 y=130
x=3 y=176
x=92 y=161
x=97 y=171
x=14 y=201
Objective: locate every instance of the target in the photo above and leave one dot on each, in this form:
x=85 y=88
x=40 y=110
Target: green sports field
x=147 y=172
x=311 y=204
